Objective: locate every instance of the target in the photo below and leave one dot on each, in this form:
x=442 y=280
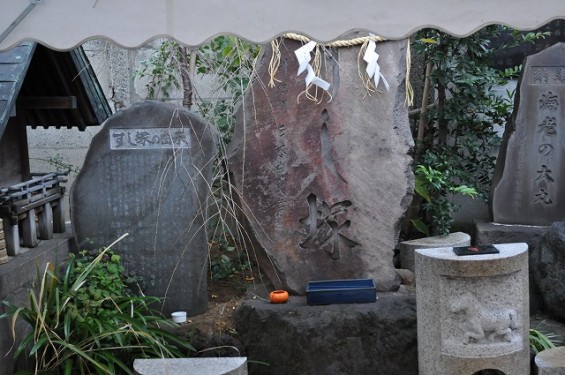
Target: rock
x=547 y=268
x=406 y=276
x=325 y=185
x=295 y=338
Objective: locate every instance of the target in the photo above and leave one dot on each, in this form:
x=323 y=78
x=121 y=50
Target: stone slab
x=325 y=184
x=407 y=247
x=528 y=183
x=191 y=366
x=147 y=173
x=489 y=233
x=365 y=338
x=551 y=361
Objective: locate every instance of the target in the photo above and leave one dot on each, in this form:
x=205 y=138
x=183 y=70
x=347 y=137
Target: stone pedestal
x=407 y=247
x=551 y=361
x=473 y=311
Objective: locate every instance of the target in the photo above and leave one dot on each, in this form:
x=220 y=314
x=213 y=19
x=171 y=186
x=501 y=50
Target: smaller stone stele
x=147 y=173
x=528 y=184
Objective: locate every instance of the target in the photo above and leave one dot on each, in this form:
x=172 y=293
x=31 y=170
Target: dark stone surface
x=147 y=173
x=529 y=179
x=325 y=184
x=294 y=338
x=492 y=233
x=489 y=233
x=547 y=263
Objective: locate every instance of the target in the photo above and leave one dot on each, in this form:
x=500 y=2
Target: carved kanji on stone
x=324 y=224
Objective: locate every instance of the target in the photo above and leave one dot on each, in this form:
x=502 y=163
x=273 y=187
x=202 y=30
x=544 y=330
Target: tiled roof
x=13 y=68
x=47 y=88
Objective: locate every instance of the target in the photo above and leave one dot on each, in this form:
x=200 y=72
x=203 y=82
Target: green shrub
x=85 y=320
x=456 y=133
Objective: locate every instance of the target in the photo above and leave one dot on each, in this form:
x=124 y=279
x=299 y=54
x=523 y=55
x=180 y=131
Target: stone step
x=3 y=253
x=191 y=366
x=551 y=361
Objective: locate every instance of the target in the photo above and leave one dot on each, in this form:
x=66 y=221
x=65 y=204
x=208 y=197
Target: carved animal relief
x=480 y=324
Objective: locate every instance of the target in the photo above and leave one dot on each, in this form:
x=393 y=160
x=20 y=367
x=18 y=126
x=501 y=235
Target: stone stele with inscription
x=529 y=180
x=325 y=184
x=147 y=173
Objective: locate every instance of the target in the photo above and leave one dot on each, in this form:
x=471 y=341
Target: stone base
x=489 y=233
x=366 y=338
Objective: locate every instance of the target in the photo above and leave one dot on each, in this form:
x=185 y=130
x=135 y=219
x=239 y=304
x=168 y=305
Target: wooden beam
x=46 y=102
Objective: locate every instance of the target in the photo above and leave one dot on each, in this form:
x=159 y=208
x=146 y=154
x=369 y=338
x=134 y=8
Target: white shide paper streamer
x=373 y=69
x=303 y=57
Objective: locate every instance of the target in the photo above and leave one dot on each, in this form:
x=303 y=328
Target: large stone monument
x=473 y=311
x=324 y=184
x=529 y=180
x=147 y=173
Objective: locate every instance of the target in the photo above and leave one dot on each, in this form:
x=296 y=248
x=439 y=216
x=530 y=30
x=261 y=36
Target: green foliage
x=85 y=320
x=226 y=58
x=106 y=281
x=226 y=260
x=539 y=341
x=460 y=136
x=231 y=61
x=162 y=70
x=438 y=183
x=222 y=267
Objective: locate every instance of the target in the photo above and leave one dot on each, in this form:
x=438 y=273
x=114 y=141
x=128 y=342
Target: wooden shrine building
x=39 y=87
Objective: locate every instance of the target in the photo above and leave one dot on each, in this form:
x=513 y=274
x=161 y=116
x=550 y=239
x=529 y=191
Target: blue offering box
x=326 y=292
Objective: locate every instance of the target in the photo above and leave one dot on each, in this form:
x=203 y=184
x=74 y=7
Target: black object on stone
x=475 y=250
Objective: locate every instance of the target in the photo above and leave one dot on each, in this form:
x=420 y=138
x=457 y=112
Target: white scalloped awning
x=64 y=24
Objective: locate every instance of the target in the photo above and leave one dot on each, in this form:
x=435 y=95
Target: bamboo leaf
x=420 y=226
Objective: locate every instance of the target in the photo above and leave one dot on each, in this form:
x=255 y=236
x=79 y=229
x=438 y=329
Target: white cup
x=179 y=316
